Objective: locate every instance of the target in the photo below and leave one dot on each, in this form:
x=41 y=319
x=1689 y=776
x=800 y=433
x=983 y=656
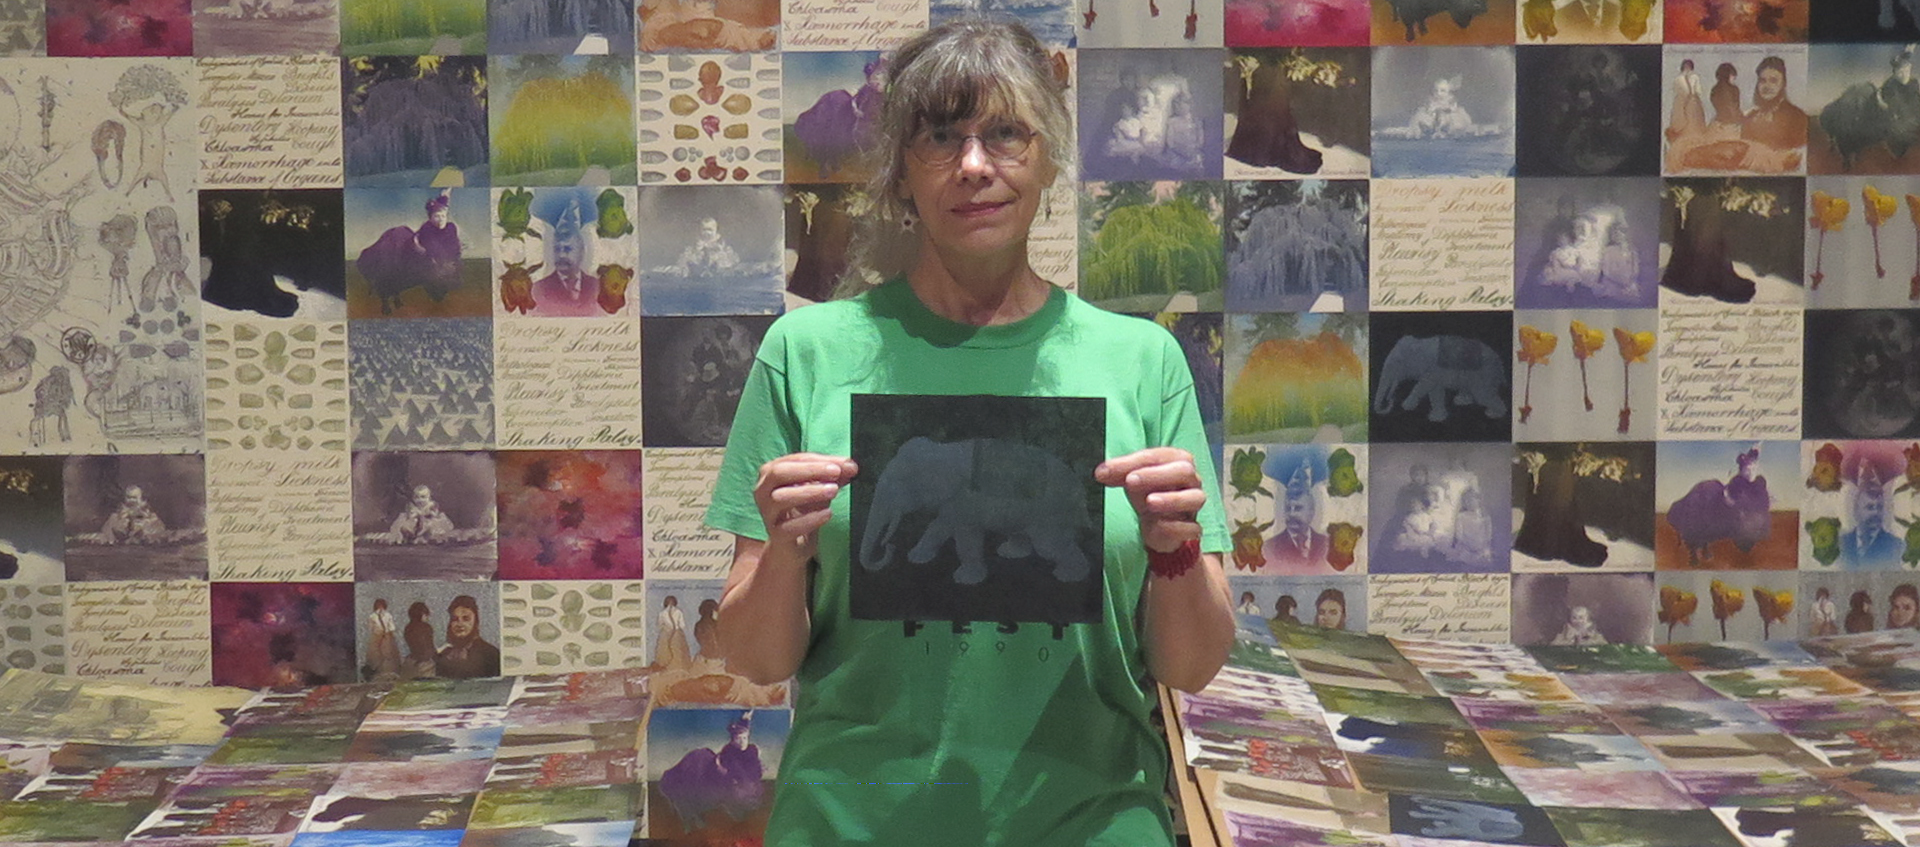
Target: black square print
x=1441 y=376
x=977 y=508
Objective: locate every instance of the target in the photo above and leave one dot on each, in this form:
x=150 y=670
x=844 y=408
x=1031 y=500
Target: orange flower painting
x=1829 y=215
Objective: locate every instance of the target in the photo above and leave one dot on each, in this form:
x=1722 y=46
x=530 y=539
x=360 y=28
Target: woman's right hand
x=795 y=493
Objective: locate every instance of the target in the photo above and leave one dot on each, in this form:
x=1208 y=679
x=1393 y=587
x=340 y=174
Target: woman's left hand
x=1164 y=488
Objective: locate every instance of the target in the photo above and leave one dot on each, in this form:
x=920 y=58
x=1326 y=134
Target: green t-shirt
x=918 y=734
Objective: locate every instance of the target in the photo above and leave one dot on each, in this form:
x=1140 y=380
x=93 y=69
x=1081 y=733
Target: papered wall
x=379 y=340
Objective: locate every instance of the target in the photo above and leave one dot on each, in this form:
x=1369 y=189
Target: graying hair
x=968 y=67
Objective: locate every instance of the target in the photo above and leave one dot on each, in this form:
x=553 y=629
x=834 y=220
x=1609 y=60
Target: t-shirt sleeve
x=764 y=428
x=1180 y=426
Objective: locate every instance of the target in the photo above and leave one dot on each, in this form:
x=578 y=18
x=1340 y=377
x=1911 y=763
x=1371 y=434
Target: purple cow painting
x=1738 y=509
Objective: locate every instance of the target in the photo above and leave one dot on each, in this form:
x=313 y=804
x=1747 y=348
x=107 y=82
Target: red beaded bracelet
x=1174 y=562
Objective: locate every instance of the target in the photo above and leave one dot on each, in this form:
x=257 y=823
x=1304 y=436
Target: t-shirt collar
x=895 y=299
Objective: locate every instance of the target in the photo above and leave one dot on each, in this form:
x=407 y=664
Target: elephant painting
x=1465 y=366
x=973 y=492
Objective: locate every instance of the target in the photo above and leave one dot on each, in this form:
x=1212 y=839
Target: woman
x=1247 y=605
x=1825 y=619
x=383 y=654
x=1689 y=115
x=1736 y=510
x=916 y=732
x=670 y=643
x=706 y=632
x=1330 y=609
x=1859 y=612
x=419 y=636
x=1903 y=607
x=1285 y=609
x=1725 y=96
x=403 y=257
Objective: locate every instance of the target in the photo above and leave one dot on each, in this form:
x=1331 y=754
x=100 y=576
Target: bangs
x=955 y=87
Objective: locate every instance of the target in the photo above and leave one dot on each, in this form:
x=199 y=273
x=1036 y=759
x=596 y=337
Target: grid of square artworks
x=363 y=340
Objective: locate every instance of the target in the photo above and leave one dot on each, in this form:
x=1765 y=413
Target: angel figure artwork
x=1442 y=116
x=1444 y=111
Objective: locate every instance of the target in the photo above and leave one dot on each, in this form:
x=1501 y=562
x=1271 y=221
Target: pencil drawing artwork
x=102 y=169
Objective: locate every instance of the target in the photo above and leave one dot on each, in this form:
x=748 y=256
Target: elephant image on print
x=1442 y=371
x=1022 y=499
x=978 y=508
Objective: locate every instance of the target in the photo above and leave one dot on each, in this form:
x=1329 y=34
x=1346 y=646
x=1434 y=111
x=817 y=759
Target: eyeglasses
x=941 y=145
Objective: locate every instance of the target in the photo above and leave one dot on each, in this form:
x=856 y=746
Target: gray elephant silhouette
x=1466 y=366
x=972 y=490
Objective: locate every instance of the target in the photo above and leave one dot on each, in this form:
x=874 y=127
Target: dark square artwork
x=1862 y=373
x=253 y=239
x=691 y=374
x=32 y=543
x=1885 y=20
x=1441 y=376
x=977 y=508
x=1733 y=240
x=1588 y=110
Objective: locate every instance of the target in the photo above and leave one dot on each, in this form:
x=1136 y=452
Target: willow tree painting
x=413 y=27
x=563 y=120
x=1296 y=378
x=1297 y=246
x=1152 y=246
x=414 y=121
